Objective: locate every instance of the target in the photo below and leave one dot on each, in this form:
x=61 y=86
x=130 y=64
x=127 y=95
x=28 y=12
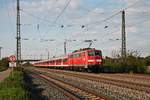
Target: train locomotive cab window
x=98 y=53
x=94 y=53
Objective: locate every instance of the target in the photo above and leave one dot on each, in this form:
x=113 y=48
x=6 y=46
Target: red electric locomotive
x=88 y=59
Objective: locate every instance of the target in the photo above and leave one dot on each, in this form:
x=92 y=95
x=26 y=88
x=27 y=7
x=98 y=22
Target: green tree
x=133 y=63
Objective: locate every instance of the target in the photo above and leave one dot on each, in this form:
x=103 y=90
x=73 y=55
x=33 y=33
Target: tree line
x=132 y=63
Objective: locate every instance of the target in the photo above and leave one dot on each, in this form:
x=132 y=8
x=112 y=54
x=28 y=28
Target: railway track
x=70 y=90
x=137 y=76
x=120 y=83
x=115 y=91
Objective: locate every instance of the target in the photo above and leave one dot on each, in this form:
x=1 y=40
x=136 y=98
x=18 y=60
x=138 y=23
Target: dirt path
x=4 y=74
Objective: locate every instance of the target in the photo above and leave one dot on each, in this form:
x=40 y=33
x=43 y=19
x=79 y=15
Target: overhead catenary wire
x=50 y=23
x=115 y=14
x=106 y=19
x=117 y=31
x=60 y=14
x=40 y=18
x=118 y=38
x=37 y=17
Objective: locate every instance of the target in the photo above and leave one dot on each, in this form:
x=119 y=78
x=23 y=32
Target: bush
x=132 y=64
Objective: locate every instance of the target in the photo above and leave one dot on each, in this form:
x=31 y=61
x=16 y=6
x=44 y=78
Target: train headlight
x=90 y=60
x=100 y=60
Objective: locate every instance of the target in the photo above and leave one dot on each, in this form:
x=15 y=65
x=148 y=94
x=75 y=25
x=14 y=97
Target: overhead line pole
x=65 y=48
x=18 y=34
x=123 y=48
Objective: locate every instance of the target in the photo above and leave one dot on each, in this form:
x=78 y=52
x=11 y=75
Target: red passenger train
x=87 y=59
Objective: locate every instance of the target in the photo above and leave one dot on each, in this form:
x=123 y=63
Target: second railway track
x=120 y=83
x=115 y=89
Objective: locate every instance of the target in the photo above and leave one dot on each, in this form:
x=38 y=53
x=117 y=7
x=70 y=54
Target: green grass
x=12 y=88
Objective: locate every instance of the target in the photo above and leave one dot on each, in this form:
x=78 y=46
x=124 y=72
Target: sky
x=46 y=24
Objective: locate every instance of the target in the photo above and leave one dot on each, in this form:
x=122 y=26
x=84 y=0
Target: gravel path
x=4 y=74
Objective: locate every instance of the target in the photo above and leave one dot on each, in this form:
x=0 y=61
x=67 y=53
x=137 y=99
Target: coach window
x=74 y=56
x=71 y=56
x=80 y=55
x=64 y=60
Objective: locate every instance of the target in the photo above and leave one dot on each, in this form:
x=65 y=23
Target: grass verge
x=12 y=88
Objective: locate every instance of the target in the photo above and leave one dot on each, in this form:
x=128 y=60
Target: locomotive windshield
x=95 y=53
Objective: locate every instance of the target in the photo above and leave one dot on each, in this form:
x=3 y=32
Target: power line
x=45 y=20
x=67 y=4
x=108 y=18
x=140 y=22
x=42 y=19
x=127 y=25
x=60 y=14
x=131 y=5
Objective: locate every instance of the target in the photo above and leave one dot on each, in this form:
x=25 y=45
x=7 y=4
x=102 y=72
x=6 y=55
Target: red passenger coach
x=88 y=59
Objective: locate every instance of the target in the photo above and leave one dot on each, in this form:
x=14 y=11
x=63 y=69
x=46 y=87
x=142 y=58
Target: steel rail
x=83 y=92
x=61 y=89
x=120 y=83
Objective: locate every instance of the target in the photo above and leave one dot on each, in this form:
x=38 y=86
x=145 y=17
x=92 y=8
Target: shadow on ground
x=35 y=89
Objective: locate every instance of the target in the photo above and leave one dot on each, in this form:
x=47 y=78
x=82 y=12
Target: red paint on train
x=87 y=58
